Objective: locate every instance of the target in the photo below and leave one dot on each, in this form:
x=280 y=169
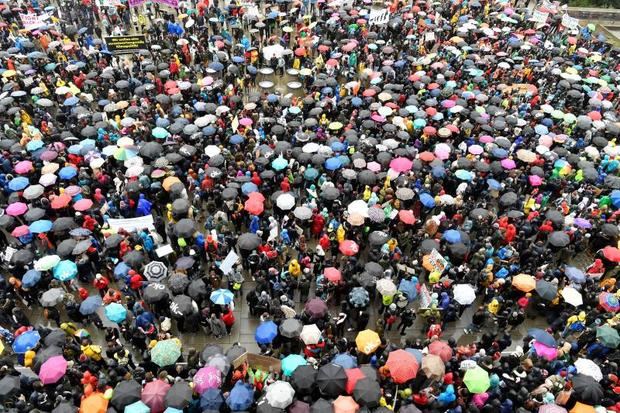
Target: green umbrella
x=608 y=336
x=165 y=353
x=46 y=263
x=477 y=380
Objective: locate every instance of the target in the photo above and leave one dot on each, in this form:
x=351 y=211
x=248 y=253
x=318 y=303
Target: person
x=406 y=320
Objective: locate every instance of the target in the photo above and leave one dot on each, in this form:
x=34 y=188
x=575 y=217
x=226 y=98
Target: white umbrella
x=386 y=287
x=280 y=394
x=358 y=207
x=572 y=296
x=134 y=171
x=310 y=334
x=310 y=147
x=285 y=201
x=589 y=368
x=212 y=150
x=302 y=212
x=464 y=294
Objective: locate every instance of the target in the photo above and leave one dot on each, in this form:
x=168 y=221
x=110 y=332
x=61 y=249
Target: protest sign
x=126 y=44
x=570 y=22
x=132 y=224
x=381 y=16
x=32 y=21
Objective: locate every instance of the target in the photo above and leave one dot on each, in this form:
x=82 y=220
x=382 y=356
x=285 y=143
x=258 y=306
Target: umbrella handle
x=395 y=397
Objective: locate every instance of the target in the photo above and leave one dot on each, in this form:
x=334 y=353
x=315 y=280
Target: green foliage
x=595 y=3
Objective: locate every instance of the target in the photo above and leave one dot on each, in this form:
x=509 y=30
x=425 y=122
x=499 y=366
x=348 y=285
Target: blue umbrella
x=72 y=101
x=416 y=353
x=344 y=160
x=18 y=183
x=65 y=270
x=31 y=278
x=34 y=145
x=75 y=149
x=208 y=131
x=575 y=275
x=67 y=172
x=408 y=287
x=26 y=341
x=248 y=188
x=211 y=400
x=80 y=232
x=346 y=361
x=333 y=163
x=279 y=163
x=427 y=200
x=438 y=172
x=356 y=101
x=222 y=296
x=116 y=312
x=266 y=332
x=40 y=226
x=137 y=407
x=452 y=236
x=238 y=59
x=464 y=175
x=615 y=198
x=542 y=337
x=337 y=146
x=236 y=139
x=541 y=129
x=241 y=397
x=91 y=304
x=494 y=185
x=499 y=153
x=162 y=123
x=173 y=410
x=217 y=66
x=121 y=270
x=252 y=70
x=271 y=98
x=291 y=362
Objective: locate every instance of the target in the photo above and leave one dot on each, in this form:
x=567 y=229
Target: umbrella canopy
x=586 y=389
x=53 y=370
x=154 y=393
x=291 y=362
x=402 y=366
x=433 y=367
x=280 y=394
x=367 y=392
x=345 y=404
x=310 y=334
x=331 y=380
x=125 y=393
x=441 y=349
x=240 y=397
x=303 y=379
x=179 y=396
x=166 y=352
x=266 y=332
x=367 y=341
x=155 y=271
x=291 y=328
x=316 y=308
x=477 y=380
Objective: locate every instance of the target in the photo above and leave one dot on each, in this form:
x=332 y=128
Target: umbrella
x=266 y=332
x=303 y=379
x=386 y=287
x=524 y=282
x=608 y=301
x=95 y=403
x=322 y=406
x=125 y=393
x=154 y=393
x=367 y=392
x=345 y=404
x=477 y=380
x=542 y=336
x=316 y=308
x=345 y=360
x=155 y=271
x=586 y=389
x=433 y=367
x=559 y=239
x=116 y=312
x=234 y=352
x=291 y=362
x=464 y=294
x=52 y=297
x=240 y=397
x=572 y=296
x=575 y=274
x=222 y=296
x=248 y=241
x=367 y=341
x=608 y=336
x=53 y=370
x=179 y=396
x=402 y=366
x=155 y=292
x=181 y=306
x=165 y=352
x=280 y=394
x=137 y=407
x=310 y=334
x=359 y=297
x=65 y=270
x=589 y=368
x=290 y=328
x=91 y=304
x=331 y=380
x=211 y=350
x=546 y=290
x=441 y=349
x=211 y=400
x=26 y=341
x=185 y=228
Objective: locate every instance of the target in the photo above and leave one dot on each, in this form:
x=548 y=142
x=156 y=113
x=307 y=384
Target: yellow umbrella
x=524 y=282
x=168 y=182
x=335 y=125
x=1 y=347
x=9 y=73
x=367 y=341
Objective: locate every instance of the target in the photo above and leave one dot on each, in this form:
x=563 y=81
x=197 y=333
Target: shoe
x=467 y=331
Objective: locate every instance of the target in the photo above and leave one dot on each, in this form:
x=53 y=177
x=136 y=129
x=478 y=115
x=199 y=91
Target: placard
x=265 y=363
x=164 y=250
x=229 y=262
x=126 y=44
x=539 y=17
x=425 y=297
x=570 y=22
x=132 y=224
x=32 y=21
x=379 y=16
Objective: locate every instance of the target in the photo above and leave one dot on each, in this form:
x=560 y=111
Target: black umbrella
x=366 y=279
x=33 y=214
x=184 y=263
x=330 y=193
x=367 y=177
x=181 y=306
x=610 y=230
x=234 y=352
x=178 y=283
x=179 y=395
x=377 y=238
x=65 y=407
x=509 y=198
x=263 y=406
x=291 y=328
x=248 y=241
x=82 y=246
x=478 y=212
x=546 y=290
x=587 y=390
x=45 y=354
x=155 y=292
x=304 y=379
x=65 y=248
x=555 y=216
x=185 y=228
x=151 y=150
x=373 y=268
x=367 y=392
x=428 y=245
x=134 y=259
x=211 y=350
x=55 y=338
x=180 y=206
x=331 y=380
x=113 y=240
x=321 y=405
x=22 y=257
x=559 y=239
x=9 y=386
x=125 y=393
x=197 y=289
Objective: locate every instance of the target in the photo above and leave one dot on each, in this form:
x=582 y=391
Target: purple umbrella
x=207 y=378
x=582 y=223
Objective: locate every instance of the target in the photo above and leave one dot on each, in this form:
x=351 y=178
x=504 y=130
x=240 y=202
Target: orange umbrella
x=61 y=201
x=441 y=349
x=95 y=403
x=524 y=282
x=611 y=253
x=168 y=182
x=582 y=408
x=403 y=366
x=345 y=404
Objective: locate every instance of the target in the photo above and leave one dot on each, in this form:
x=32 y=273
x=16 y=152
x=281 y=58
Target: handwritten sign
x=378 y=17
x=425 y=297
x=32 y=21
x=132 y=224
x=539 y=17
x=570 y=22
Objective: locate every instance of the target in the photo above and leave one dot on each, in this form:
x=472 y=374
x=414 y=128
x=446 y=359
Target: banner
x=379 y=16
x=32 y=21
x=539 y=17
x=125 y=44
x=570 y=22
x=109 y=3
x=171 y=3
x=425 y=297
x=132 y=224
x=136 y=3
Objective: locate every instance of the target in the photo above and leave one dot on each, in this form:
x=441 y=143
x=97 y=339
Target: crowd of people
x=363 y=177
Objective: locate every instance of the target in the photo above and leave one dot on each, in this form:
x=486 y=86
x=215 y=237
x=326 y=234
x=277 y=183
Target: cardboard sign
x=8 y=254
x=229 y=262
x=434 y=261
x=164 y=250
x=126 y=44
x=257 y=361
x=132 y=224
x=539 y=17
x=32 y=21
x=379 y=16
x=570 y=22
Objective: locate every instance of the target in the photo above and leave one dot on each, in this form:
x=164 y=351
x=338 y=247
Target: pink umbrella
x=475 y=149
x=53 y=369
x=549 y=353
x=83 y=204
x=245 y=122
x=333 y=274
x=349 y=46
x=349 y=248
x=401 y=164
x=377 y=118
x=207 y=378
x=551 y=408
x=23 y=167
x=535 y=180
x=332 y=63
x=486 y=139
x=545 y=140
x=448 y=103
x=16 y=209
x=442 y=154
x=508 y=164
x=373 y=166
x=73 y=190
x=20 y=231
x=154 y=394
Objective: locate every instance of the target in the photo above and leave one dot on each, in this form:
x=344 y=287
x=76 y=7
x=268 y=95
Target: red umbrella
x=441 y=349
x=611 y=253
x=402 y=365
x=349 y=248
x=300 y=51
x=332 y=63
x=83 y=204
x=316 y=308
x=427 y=156
x=369 y=92
x=406 y=216
x=333 y=274
x=154 y=395
x=61 y=201
x=254 y=206
x=353 y=375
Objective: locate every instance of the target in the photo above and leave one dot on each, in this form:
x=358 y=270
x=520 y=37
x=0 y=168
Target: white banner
x=570 y=22
x=32 y=21
x=379 y=16
x=109 y=3
x=539 y=17
x=227 y=265
x=132 y=224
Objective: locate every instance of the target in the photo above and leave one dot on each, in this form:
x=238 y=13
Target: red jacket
x=228 y=318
